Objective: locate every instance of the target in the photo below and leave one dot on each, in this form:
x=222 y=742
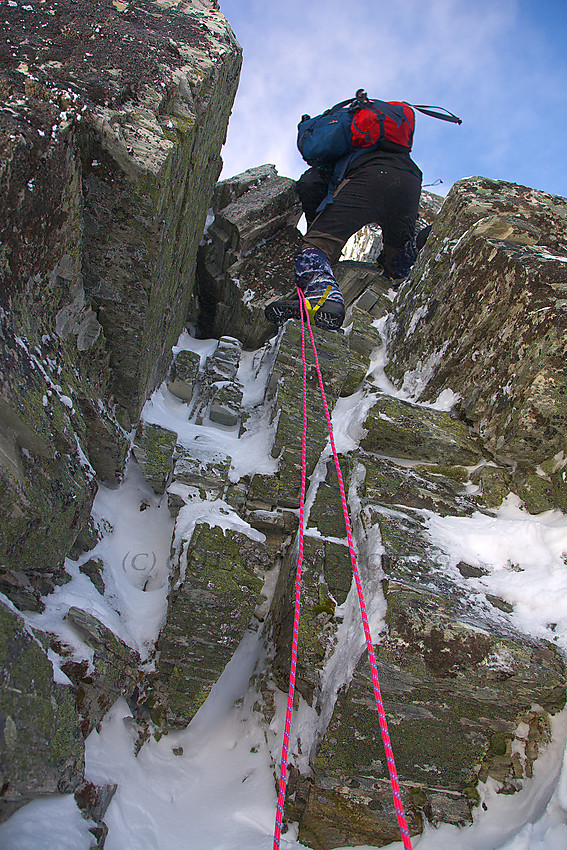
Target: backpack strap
x=432 y=112
x=339 y=172
x=363 y=100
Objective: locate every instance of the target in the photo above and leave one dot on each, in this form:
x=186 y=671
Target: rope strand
x=398 y=806
x=291 y=689
x=402 y=823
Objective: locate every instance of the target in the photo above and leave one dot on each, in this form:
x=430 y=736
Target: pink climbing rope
x=402 y=823
x=291 y=690
x=398 y=806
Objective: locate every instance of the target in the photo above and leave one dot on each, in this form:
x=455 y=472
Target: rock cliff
x=459 y=677
x=108 y=174
x=109 y=160
x=112 y=120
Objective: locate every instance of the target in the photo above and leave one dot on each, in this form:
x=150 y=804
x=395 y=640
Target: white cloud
x=477 y=59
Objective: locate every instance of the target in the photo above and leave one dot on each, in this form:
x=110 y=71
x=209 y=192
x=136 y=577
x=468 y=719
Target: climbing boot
x=328 y=316
x=323 y=298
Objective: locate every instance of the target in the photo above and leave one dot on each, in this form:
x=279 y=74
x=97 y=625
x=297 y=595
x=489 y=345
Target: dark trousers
x=372 y=193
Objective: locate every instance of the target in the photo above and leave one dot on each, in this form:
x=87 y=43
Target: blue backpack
x=334 y=139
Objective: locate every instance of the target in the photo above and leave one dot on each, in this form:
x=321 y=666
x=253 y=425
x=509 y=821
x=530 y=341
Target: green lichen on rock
x=326 y=514
x=285 y=386
x=208 y=616
x=539 y=491
x=338 y=572
x=102 y=217
x=326 y=580
x=154 y=449
x=456 y=473
x=93 y=568
x=399 y=429
x=114 y=669
x=489 y=684
x=495 y=484
x=330 y=821
x=182 y=375
x=41 y=513
x=41 y=750
x=435 y=487
x=317 y=623
x=485 y=316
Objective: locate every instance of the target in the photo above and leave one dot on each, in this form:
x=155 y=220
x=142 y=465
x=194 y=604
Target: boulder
x=484 y=726
x=182 y=374
x=400 y=429
x=247 y=256
x=154 y=449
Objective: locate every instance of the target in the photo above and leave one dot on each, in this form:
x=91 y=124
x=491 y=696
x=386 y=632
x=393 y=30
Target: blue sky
x=501 y=65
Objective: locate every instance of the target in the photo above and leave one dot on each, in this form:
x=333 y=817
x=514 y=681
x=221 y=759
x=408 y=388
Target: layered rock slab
x=41 y=745
x=209 y=612
x=247 y=255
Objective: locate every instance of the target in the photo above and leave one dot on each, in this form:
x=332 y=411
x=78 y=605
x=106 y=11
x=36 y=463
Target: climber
x=380 y=185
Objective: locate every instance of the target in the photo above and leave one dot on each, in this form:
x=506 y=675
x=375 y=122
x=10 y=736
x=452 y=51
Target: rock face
x=95 y=297
x=247 y=255
x=486 y=316
x=41 y=751
x=469 y=696
x=113 y=120
x=223 y=575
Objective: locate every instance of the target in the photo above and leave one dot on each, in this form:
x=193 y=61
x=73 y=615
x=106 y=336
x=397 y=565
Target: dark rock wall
x=486 y=316
x=112 y=121
x=42 y=743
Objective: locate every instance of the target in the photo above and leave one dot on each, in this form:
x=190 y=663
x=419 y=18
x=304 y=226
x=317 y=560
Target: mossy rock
x=326 y=580
x=182 y=375
x=42 y=750
x=454 y=696
x=154 y=449
x=438 y=488
x=494 y=482
x=397 y=428
x=208 y=616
